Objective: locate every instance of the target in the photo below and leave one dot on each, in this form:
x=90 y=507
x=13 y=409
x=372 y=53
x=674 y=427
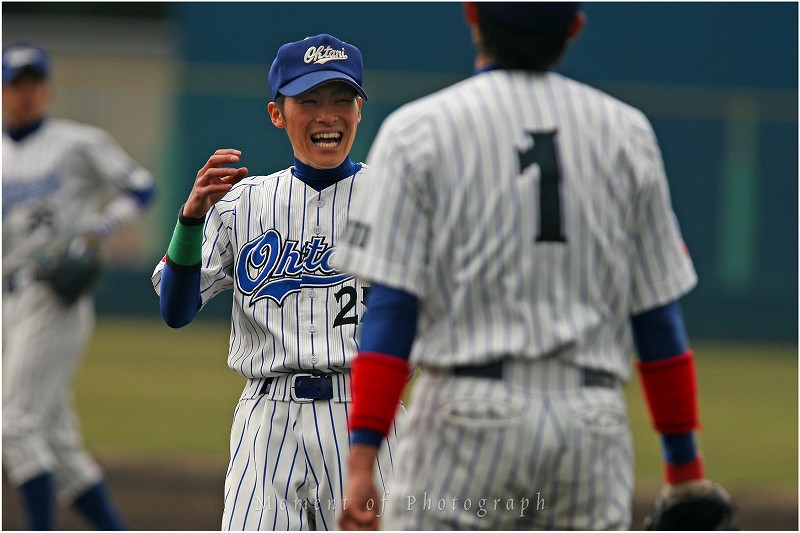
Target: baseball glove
x=70 y=267
x=711 y=509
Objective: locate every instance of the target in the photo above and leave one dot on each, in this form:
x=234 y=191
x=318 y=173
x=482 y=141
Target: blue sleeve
x=180 y=294
x=366 y=436
x=679 y=449
x=143 y=196
x=660 y=333
x=390 y=323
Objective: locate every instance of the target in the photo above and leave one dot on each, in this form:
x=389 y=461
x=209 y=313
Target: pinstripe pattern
x=289 y=462
x=453 y=219
x=40 y=431
x=282 y=332
x=285 y=456
x=541 y=452
x=59 y=180
x=531 y=215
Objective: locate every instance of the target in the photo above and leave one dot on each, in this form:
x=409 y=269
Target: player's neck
x=20 y=131
x=483 y=62
x=321 y=178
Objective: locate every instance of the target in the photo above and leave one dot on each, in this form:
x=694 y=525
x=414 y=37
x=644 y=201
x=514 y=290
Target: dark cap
x=303 y=65
x=548 y=17
x=24 y=56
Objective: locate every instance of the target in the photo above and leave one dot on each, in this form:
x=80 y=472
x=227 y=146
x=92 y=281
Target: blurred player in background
x=61 y=181
x=518 y=229
x=295 y=319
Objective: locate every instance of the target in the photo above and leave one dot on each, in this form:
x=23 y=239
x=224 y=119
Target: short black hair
x=280 y=99
x=519 y=49
x=29 y=73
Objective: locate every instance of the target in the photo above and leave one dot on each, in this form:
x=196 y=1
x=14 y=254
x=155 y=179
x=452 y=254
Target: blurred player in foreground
x=295 y=319
x=66 y=186
x=518 y=230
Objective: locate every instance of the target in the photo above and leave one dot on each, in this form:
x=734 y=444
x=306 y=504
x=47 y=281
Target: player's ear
x=471 y=13
x=576 y=26
x=359 y=103
x=275 y=115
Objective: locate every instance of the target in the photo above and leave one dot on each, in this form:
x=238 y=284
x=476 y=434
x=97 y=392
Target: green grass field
x=147 y=390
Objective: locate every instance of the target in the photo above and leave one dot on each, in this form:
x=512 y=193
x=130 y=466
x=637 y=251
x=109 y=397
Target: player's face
x=25 y=100
x=321 y=123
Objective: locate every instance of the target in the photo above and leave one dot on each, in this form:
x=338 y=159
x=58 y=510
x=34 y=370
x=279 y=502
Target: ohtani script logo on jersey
x=269 y=268
x=319 y=55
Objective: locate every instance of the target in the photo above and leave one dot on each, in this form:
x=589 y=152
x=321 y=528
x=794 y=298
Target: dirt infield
x=188 y=496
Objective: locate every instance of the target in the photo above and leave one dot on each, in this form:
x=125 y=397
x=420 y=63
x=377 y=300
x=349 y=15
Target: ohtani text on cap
x=322 y=54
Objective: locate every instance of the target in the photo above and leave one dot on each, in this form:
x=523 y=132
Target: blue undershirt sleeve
x=679 y=449
x=659 y=334
x=180 y=295
x=390 y=325
x=366 y=436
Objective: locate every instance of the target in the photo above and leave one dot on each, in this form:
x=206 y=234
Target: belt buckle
x=292 y=392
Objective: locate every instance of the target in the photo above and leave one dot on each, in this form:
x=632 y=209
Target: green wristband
x=186 y=246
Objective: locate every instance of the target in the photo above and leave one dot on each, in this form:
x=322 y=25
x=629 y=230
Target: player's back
x=532 y=197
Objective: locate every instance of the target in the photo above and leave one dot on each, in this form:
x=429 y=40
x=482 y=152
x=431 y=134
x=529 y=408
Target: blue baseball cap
x=548 y=17
x=19 y=57
x=300 y=66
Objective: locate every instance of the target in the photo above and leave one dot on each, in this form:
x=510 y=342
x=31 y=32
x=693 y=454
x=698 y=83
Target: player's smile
x=327 y=140
x=321 y=123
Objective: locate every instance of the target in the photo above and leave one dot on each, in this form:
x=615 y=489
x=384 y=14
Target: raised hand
x=213 y=182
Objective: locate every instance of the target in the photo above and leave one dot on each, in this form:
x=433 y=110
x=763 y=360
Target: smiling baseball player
x=270 y=239
x=519 y=231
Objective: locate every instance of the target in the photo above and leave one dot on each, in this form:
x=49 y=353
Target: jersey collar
x=486 y=68
x=319 y=179
x=17 y=134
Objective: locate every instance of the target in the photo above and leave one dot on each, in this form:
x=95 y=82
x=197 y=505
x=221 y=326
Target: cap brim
x=311 y=80
x=11 y=74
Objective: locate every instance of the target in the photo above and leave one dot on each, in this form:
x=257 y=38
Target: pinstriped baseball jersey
x=59 y=181
x=530 y=213
x=270 y=240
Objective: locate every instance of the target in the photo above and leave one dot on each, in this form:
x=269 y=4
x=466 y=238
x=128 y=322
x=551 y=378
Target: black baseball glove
x=702 y=507
x=70 y=267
